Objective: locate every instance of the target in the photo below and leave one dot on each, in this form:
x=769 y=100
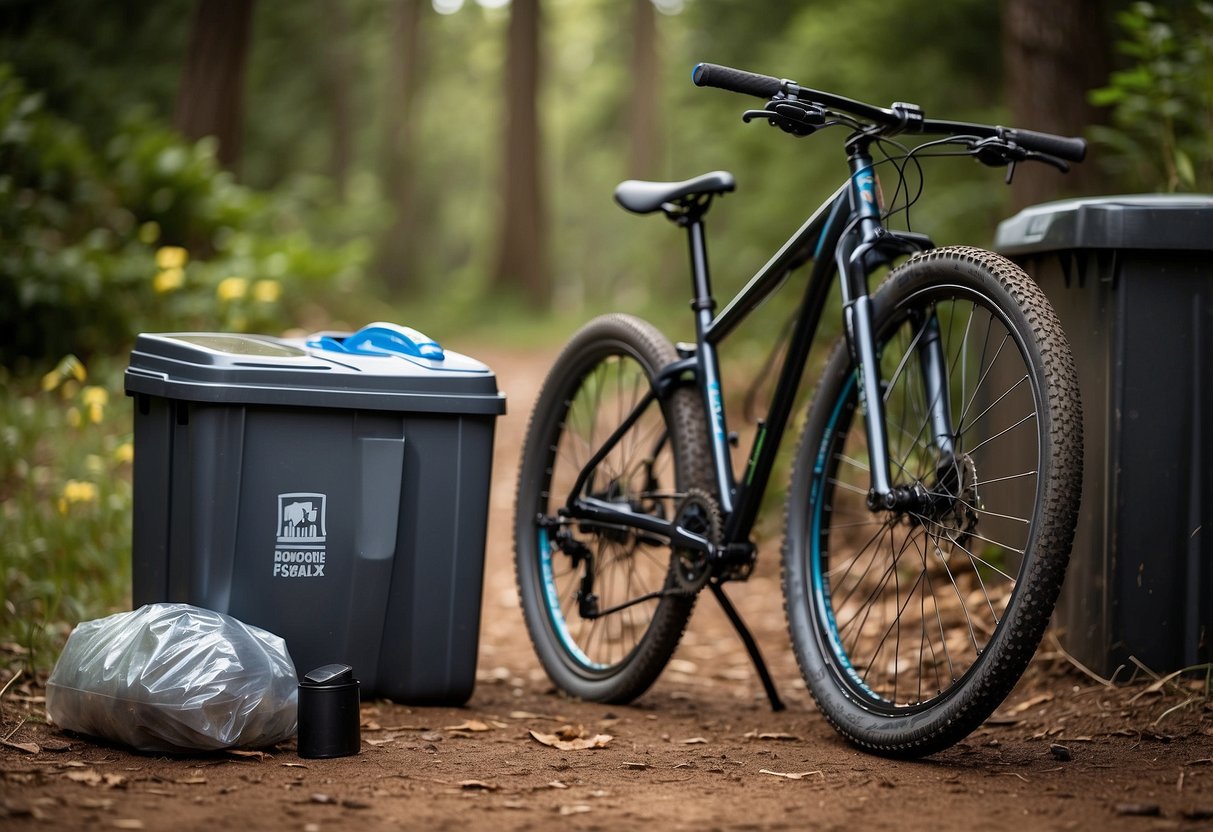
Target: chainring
x=698 y=514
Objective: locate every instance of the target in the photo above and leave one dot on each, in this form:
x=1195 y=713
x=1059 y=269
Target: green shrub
x=65 y=505
x=148 y=234
x=1161 y=137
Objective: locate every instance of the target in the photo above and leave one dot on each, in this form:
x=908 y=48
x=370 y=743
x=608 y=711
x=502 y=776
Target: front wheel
x=912 y=624
x=603 y=386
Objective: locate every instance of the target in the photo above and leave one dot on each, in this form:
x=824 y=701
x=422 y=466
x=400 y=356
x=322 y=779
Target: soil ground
x=701 y=750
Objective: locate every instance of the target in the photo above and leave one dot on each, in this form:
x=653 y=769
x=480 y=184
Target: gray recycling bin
x=1132 y=281
x=334 y=495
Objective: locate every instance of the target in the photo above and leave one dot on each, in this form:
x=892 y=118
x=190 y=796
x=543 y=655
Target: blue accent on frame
x=864 y=182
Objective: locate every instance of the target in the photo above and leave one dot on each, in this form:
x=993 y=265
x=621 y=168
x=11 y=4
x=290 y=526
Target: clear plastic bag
x=174 y=677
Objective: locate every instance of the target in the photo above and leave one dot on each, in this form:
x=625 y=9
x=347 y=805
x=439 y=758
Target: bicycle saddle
x=646 y=197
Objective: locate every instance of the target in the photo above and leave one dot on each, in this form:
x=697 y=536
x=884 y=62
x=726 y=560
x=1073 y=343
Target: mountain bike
x=934 y=489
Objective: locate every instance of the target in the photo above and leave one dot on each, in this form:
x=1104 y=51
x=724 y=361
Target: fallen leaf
x=322 y=799
x=252 y=755
x=770 y=735
x=570 y=732
x=383 y=741
x=634 y=765
x=527 y=715
x=102 y=803
x=789 y=775
x=293 y=765
x=196 y=780
x=556 y=784
x=127 y=823
x=27 y=747
x=576 y=809
x=89 y=776
x=469 y=725
x=115 y=781
x=579 y=744
x=693 y=741
x=371 y=726
x=477 y=786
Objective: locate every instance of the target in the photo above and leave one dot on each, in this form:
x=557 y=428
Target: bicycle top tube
x=899 y=118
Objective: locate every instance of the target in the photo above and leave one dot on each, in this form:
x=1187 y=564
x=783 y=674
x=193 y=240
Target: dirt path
x=700 y=751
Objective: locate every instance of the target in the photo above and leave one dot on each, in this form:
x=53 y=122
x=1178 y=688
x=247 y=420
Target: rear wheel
x=912 y=624
x=605 y=374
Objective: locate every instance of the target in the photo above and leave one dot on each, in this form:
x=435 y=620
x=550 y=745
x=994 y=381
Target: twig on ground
x=9 y=683
x=1065 y=654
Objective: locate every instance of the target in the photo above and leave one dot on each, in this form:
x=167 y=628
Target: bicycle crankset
x=698 y=514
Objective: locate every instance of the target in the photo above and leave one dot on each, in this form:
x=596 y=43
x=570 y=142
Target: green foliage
x=65 y=505
x=148 y=233
x=1161 y=137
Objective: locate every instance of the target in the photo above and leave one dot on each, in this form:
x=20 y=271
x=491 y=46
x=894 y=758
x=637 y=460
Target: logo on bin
x=300 y=551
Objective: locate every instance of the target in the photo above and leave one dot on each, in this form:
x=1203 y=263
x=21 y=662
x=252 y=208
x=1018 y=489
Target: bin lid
x=258 y=369
x=1172 y=222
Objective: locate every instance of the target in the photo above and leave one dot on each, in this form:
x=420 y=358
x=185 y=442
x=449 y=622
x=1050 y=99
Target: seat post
x=701 y=282
x=704 y=306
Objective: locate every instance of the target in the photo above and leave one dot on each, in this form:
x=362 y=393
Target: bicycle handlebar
x=900 y=118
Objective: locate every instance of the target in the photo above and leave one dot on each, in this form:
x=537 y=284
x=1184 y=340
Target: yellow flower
x=94 y=464
x=171 y=257
x=76 y=491
x=231 y=288
x=267 y=291
x=68 y=367
x=94 y=395
x=169 y=280
x=124 y=453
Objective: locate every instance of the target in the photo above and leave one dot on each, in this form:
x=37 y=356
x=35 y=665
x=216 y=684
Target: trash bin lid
x=1174 y=222
x=258 y=369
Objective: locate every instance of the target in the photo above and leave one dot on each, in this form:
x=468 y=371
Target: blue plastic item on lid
x=382 y=338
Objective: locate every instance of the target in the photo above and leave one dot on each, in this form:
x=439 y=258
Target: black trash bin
x=1132 y=281
x=336 y=496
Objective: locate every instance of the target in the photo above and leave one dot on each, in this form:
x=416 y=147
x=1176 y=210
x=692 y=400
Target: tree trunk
x=1053 y=53
x=644 y=100
x=521 y=257
x=398 y=249
x=340 y=66
x=210 y=101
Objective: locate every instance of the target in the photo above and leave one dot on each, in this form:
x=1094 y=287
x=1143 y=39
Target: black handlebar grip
x=736 y=80
x=1070 y=149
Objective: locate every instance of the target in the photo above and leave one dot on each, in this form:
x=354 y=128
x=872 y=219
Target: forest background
x=238 y=166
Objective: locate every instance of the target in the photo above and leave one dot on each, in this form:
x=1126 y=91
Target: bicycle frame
x=849 y=225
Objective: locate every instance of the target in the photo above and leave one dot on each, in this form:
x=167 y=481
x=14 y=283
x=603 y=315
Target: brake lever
x=800 y=118
x=1061 y=164
x=997 y=152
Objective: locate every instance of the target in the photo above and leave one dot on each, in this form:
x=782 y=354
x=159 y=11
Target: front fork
x=869 y=243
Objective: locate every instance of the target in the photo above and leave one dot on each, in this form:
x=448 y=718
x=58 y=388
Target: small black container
x=328 y=712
